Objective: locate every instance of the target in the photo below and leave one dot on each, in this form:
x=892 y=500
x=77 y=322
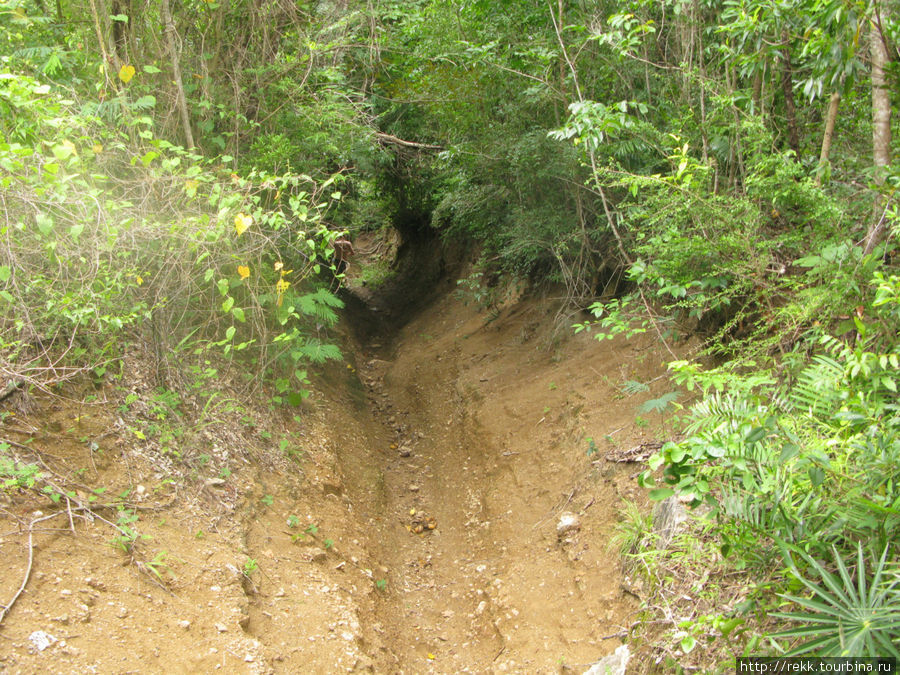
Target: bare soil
x=405 y=521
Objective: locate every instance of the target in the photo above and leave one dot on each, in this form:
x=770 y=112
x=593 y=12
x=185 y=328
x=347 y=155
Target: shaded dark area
x=423 y=270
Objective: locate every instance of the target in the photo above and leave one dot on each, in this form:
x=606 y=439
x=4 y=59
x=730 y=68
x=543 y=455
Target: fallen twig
x=5 y=610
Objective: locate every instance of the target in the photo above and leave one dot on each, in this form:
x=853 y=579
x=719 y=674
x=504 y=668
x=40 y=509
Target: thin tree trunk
x=176 y=73
x=881 y=130
x=756 y=96
x=101 y=43
x=108 y=33
x=698 y=27
x=830 y=120
x=787 y=86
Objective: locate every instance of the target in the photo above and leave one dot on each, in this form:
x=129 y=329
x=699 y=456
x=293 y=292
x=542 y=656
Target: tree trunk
x=787 y=86
x=830 y=120
x=703 y=132
x=881 y=129
x=102 y=44
x=176 y=73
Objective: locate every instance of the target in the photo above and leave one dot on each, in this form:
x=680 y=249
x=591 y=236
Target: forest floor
x=443 y=503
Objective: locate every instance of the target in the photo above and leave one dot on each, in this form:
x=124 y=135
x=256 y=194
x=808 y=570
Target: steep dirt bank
x=405 y=521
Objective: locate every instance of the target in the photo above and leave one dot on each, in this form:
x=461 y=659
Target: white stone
x=568 y=522
x=613 y=664
x=41 y=640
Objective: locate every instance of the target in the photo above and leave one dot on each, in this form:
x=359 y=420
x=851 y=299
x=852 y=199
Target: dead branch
x=388 y=138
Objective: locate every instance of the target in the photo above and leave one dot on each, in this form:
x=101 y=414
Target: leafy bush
x=107 y=240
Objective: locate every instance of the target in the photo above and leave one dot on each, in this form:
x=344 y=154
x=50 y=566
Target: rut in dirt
x=464 y=499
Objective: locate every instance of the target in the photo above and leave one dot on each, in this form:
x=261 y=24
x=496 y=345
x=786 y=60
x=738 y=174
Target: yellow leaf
x=126 y=72
x=278 y=266
x=139 y=280
x=431 y=657
x=282 y=286
x=97 y=148
x=243 y=271
x=241 y=223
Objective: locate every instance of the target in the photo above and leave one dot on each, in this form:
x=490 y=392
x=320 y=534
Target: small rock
x=215 y=482
x=317 y=555
x=280 y=593
x=668 y=516
x=122 y=613
x=413 y=488
x=332 y=488
x=249 y=658
x=614 y=664
x=405 y=451
x=481 y=607
x=363 y=664
x=447 y=613
x=221 y=627
x=185 y=624
x=95 y=583
x=41 y=640
x=65 y=592
x=62 y=618
x=568 y=522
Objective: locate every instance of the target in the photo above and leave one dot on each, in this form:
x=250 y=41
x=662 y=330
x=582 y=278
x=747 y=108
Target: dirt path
x=482 y=432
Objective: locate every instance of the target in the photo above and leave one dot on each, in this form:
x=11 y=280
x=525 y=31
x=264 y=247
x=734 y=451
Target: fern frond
x=319 y=306
x=632 y=387
x=319 y=352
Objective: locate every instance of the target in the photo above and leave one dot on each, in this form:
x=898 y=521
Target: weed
x=328 y=543
x=293 y=521
x=128 y=535
x=633 y=531
x=267 y=500
x=158 y=563
x=381 y=584
x=250 y=566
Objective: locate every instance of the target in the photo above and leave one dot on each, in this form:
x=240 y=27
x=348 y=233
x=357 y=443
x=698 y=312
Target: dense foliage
x=177 y=171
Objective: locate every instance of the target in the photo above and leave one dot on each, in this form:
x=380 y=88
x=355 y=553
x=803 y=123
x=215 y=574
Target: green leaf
x=755 y=435
x=227 y=304
x=149 y=157
x=5 y=273
x=230 y=332
x=238 y=314
x=659 y=494
x=295 y=398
